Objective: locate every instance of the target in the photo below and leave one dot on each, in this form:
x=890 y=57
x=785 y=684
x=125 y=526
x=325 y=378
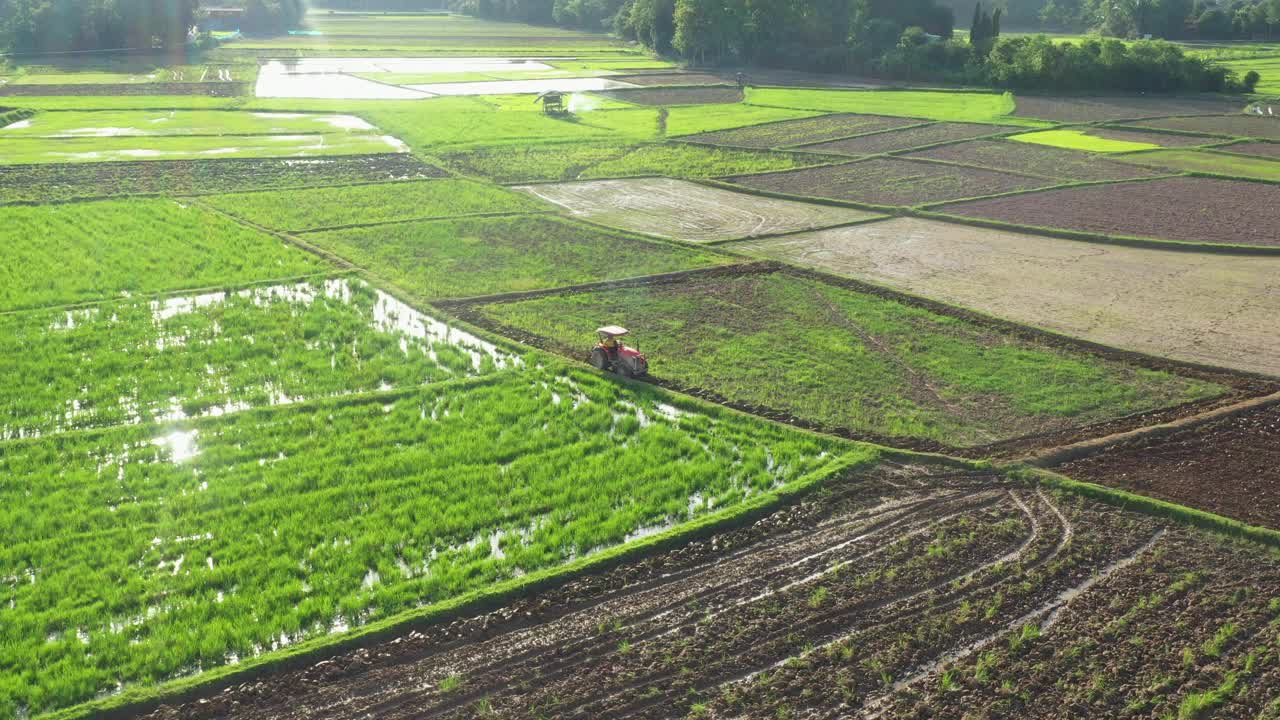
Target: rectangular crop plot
x=1102 y=293
x=688 y=211
x=908 y=138
x=1034 y=159
x=1230 y=467
x=801 y=132
x=300 y=210
x=18 y=151
x=597 y=160
x=58 y=254
x=180 y=356
x=1258 y=149
x=844 y=359
x=1245 y=126
x=1185 y=209
x=137 y=123
x=140 y=554
x=483 y=256
x=1149 y=137
x=677 y=95
x=1216 y=163
x=1092 y=109
x=891 y=181
x=56 y=182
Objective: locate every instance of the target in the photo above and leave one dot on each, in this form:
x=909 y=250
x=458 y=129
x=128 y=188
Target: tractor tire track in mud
x=838 y=606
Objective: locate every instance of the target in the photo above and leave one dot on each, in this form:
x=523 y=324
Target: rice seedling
x=61 y=254
x=482 y=256
x=218 y=352
x=298 y=210
x=140 y=553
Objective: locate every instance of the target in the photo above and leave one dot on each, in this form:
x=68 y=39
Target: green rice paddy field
x=232 y=423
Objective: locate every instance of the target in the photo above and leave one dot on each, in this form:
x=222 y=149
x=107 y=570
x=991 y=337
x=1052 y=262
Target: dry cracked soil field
x=843 y=605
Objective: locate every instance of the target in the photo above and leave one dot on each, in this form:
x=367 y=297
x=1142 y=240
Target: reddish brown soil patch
x=887 y=181
x=1187 y=209
x=677 y=95
x=51 y=182
x=1090 y=109
x=1034 y=159
x=1230 y=467
x=671 y=78
x=1262 y=149
x=1247 y=126
x=213 y=89
x=833 y=607
x=1170 y=140
x=910 y=138
x=804 y=131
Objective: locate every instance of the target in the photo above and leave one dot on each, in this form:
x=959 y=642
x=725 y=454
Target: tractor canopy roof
x=613 y=330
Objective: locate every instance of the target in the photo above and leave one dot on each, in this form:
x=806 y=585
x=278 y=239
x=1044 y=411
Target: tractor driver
x=610 y=344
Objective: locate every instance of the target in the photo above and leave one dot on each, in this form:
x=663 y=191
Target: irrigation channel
x=835 y=605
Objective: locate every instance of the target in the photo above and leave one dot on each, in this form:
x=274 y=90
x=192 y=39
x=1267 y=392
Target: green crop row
x=847 y=359
x=580 y=161
x=367 y=204
x=59 y=254
x=186 y=356
x=144 y=553
x=468 y=257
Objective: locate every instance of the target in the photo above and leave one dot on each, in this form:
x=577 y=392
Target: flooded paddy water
x=335 y=78
x=216 y=353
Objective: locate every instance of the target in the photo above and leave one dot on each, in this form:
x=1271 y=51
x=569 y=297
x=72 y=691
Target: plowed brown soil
x=1184 y=208
x=1230 y=467
x=1153 y=138
x=889 y=181
x=854 y=603
x=52 y=182
x=1120 y=107
x=1247 y=126
x=1263 y=149
x=909 y=138
x=1053 y=162
x=802 y=132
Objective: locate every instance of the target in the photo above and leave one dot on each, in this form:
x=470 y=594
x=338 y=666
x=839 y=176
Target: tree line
x=75 y=25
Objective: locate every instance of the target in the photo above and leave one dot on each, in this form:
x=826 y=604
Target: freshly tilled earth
x=862 y=601
x=1230 y=467
x=1189 y=209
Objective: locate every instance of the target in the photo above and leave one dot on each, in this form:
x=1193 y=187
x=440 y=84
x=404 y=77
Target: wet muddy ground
x=860 y=601
x=1230 y=467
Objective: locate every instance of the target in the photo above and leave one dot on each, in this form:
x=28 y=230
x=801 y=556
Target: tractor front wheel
x=623 y=369
x=598 y=360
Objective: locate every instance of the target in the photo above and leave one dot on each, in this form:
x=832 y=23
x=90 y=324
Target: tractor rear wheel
x=598 y=359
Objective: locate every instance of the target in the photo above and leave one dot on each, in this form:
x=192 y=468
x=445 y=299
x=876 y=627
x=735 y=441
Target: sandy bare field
x=1214 y=309
x=688 y=211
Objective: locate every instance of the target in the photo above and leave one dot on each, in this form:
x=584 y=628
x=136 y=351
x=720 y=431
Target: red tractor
x=610 y=354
